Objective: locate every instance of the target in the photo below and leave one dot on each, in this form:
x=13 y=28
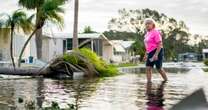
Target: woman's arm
x=158 y=40
x=160 y=45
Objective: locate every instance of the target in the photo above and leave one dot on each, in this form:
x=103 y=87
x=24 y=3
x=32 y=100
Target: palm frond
x=5 y=25
x=5 y=20
x=51 y=11
x=31 y=4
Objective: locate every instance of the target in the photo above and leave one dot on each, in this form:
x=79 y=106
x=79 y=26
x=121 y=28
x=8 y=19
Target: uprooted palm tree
x=50 y=11
x=37 y=5
x=17 y=21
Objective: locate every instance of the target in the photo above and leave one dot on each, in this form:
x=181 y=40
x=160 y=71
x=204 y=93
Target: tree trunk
x=20 y=71
x=11 y=47
x=24 y=47
x=75 y=33
x=38 y=37
x=38 y=41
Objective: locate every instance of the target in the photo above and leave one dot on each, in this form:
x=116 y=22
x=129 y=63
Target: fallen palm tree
x=83 y=60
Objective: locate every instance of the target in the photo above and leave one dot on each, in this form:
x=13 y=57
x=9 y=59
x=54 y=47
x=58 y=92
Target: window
x=67 y=44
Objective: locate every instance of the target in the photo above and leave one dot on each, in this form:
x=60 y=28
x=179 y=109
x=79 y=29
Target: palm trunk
x=24 y=47
x=75 y=36
x=38 y=41
x=11 y=47
x=38 y=37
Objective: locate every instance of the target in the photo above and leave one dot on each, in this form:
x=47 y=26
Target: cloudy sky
x=97 y=13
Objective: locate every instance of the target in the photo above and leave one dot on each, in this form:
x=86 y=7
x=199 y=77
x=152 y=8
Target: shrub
x=101 y=66
x=104 y=69
x=71 y=58
x=206 y=62
x=108 y=71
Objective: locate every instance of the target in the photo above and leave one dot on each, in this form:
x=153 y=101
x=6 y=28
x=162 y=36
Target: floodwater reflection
x=155 y=96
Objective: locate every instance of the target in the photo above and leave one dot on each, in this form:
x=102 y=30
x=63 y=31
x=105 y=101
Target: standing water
x=128 y=91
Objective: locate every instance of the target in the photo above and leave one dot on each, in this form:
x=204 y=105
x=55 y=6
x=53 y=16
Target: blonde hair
x=150 y=20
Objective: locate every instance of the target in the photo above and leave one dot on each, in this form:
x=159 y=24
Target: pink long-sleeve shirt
x=152 y=39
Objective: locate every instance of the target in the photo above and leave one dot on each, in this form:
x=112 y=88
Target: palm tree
x=36 y=5
x=50 y=11
x=18 y=20
x=75 y=33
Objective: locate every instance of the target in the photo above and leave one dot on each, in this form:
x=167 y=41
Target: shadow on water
x=155 y=97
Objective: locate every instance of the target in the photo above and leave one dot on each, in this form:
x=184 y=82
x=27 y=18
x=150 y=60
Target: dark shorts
x=157 y=63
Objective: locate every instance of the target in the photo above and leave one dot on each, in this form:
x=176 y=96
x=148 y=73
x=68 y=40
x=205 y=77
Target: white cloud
x=97 y=13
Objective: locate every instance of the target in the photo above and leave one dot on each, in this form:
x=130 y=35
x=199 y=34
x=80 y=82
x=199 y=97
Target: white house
x=121 y=50
x=205 y=53
x=57 y=43
x=18 y=42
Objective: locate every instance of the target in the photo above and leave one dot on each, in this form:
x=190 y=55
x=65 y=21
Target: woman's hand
x=155 y=57
x=145 y=58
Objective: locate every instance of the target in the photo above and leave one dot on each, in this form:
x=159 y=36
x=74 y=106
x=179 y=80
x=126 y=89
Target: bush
x=104 y=69
x=108 y=71
x=206 y=62
x=71 y=58
x=101 y=66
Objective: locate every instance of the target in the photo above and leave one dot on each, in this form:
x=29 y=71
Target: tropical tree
x=88 y=29
x=50 y=11
x=37 y=5
x=75 y=32
x=17 y=21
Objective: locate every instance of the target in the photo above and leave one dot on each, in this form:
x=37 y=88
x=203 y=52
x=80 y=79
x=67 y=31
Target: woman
x=154 y=50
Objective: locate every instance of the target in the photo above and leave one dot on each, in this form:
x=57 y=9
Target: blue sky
x=97 y=13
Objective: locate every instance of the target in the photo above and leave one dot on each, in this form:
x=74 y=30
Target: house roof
x=124 y=44
x=120 y=45
x=82 y=36
x=127 y=44
x=70 y=35
x=187 y=53
x=118 y=48
x=205 y=50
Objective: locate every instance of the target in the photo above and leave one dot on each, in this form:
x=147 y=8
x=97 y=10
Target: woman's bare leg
x=149 y=73
x=163 y=74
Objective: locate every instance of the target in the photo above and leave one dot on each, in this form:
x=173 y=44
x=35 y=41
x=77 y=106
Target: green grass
x=126 y=64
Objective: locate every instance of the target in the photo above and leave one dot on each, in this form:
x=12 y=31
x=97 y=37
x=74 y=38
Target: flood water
x=128 y=91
